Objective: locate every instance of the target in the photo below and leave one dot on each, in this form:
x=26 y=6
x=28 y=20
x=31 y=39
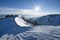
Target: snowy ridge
x=21 y=22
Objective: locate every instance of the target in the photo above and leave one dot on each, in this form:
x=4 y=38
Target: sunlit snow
x=21 y=22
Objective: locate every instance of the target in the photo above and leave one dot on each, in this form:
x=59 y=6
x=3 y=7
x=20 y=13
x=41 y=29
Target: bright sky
x=45 y=5
x=29 y=4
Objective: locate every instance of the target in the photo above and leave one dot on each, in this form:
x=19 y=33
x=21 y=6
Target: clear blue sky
x=29 y=4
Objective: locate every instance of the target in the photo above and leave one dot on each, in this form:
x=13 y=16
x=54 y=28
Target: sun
x=37 y=8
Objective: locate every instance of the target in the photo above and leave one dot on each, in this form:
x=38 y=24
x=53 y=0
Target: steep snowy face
x=21 y=22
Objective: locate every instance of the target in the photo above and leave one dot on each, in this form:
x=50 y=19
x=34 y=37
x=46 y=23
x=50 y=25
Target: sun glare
x=37 y=8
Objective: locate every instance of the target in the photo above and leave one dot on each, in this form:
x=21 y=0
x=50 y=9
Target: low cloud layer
x=25 y=12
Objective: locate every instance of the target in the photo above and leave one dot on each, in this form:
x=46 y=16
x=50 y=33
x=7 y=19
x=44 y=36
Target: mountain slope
x=53 y=20
x=9 y=26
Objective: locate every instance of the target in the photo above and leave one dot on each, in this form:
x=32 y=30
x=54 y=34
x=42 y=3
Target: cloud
x=25 y=12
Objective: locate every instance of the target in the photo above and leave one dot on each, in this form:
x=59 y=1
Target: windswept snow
x=21 y=22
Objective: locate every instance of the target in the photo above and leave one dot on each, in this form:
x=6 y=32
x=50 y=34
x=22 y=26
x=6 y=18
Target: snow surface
x=35 y=33
x=21 y=22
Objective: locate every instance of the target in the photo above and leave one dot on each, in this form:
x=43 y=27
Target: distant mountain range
x=53 y=20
